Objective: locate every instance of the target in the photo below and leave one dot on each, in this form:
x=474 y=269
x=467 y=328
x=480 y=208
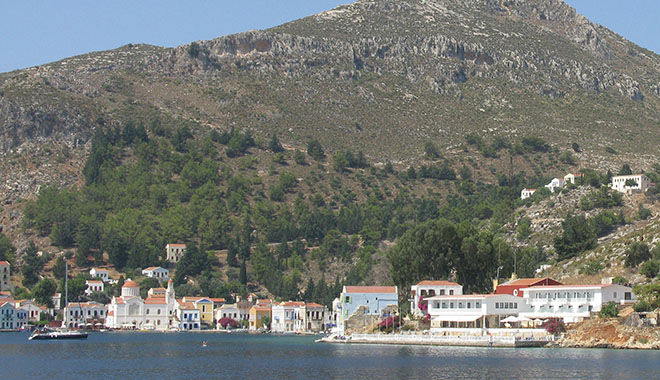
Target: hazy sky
x=35 y=32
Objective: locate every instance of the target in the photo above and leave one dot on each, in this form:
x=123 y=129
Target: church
x=130 y=311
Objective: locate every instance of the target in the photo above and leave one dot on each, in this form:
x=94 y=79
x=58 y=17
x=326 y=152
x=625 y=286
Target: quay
x=442 y=340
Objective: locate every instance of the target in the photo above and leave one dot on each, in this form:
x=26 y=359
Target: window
x=451 y=292
x=442 y=292
x=451 y=305
x=469 y=305
x=477 y=304
x=615 y=295
x=497 y=305
x=460 y=305
x=444 y=305
x=147 y=311
x=347 y=299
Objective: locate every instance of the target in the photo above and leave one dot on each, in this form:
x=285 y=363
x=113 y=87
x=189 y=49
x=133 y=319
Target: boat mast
x=66 y=283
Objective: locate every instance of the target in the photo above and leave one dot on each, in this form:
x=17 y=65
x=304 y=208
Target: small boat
x=203 y=343
x=57 y=334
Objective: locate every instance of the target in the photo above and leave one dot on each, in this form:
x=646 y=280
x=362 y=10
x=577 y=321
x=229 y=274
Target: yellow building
x=257 y=313
x=205 y=307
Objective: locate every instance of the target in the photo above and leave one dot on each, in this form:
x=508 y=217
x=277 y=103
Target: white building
x=93 y=286
x=628 y=184
x=78 y=315
x=571 y=177
x=473 y=311
x=100 y=273
x=526 y=193
x=5 y=276
x=287 y=317
x=188 y=316
x=228 y=311
x=11 y=317
x=556 y=183
x=374 y=299
x=425 y=289
x=57 y=301
x=175 y=252
x=160 y=274
x=33 y=310
x=130 y=311
x=573 y=303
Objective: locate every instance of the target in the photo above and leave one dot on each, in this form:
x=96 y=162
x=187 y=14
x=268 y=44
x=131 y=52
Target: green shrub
x=636 y=254
x=651 y=268
x=642 y=306
x=610 y=310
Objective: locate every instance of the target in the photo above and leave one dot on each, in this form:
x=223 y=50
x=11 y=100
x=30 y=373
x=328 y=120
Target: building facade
x=574 y=303
x=526 y=193
x=5 y=276
x=159 y=273
x=473 y=311
x=516 y=287
x=100 y=273
x=174 y=252
x=371 y=300
x=425 y=289
x=130 y=311
x=79 y=315
x=93 y=286
x=636 y=183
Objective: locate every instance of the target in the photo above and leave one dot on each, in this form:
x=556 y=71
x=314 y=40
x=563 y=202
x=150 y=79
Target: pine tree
x=243 y=274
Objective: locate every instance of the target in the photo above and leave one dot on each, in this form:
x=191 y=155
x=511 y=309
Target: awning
x=457 y=318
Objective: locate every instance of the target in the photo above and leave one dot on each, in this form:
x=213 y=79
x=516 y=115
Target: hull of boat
x=58 y=336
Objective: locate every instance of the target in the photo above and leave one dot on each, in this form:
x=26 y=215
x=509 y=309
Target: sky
x=36 y=32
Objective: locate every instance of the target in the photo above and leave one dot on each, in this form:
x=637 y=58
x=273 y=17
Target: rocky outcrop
x=610 y=333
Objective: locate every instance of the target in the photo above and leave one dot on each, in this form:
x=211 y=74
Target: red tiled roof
x=526 y=281
x=110 y=313
x=371 y=289
x=187 y=306
x=176 y=245
x=569 y=286
x=4 y=262
x=151 y=268
x=155 y=301
x=261 y=308
x=94 y=282
x=130 y=284
x=293 y=303
x=312 y=304
x=218 y=300
x=437 y=283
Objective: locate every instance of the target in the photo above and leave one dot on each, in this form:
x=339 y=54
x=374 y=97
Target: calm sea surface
x=238 y=356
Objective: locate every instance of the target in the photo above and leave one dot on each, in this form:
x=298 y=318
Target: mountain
x=382 y=77
x=398 y=71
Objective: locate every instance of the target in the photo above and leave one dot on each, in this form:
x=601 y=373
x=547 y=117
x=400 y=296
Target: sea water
x=122 y=355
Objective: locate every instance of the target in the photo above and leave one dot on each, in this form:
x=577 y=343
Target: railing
x=430 y=338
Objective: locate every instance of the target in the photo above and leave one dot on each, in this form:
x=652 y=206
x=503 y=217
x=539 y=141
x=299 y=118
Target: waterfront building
x=33 y=310
x=474 y=310
x=256 y=315
x=100 y=273
x=425 y=289
x=244 y=307
x=573 y=303
x=228 y=311
x=188 y=316
x=159 y=273
x=130 y=311
x=635 y=183
x=5 y=276
x=314 y=317
x=93 y=286
x=515 y=287
x=286 y=317
x=374 y=301
x=205 y=307
x=78 y=315
x=11 y=317
x=174 y=252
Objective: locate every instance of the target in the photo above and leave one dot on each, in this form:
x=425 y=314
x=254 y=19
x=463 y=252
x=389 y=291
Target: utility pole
x=66 y=283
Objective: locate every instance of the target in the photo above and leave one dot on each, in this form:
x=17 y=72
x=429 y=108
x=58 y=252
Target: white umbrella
x=523 y=319
x=510 y=319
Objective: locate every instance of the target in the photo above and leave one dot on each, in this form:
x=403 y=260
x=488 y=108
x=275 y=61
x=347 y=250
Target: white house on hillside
x=571 y=177
x=160 y=274
x=100 y=273
x=175 y=252
x=526 y=193
x=93 y=286
x=425 y=289
x=556 y=183
x=636 y=183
